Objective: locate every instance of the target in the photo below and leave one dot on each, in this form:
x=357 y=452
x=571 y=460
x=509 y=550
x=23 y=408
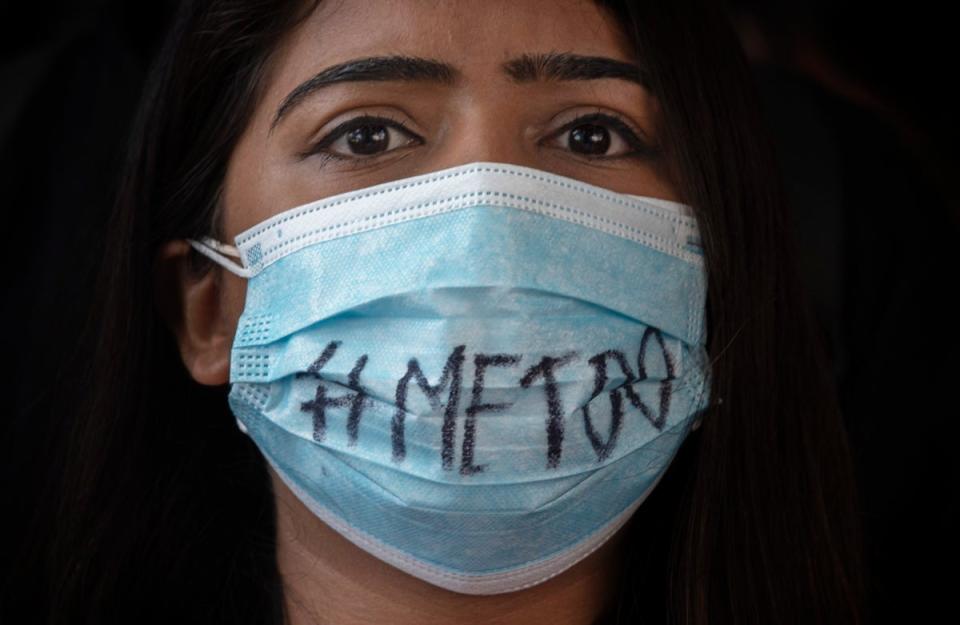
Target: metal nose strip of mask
x=667 y=226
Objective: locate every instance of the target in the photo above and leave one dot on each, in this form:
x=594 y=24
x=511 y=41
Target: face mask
x=476 y=375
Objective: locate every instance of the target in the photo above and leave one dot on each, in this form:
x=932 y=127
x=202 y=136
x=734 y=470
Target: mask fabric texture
x=476 y=375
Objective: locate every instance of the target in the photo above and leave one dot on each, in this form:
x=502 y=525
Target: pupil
x=367 y=139
x=593 y=139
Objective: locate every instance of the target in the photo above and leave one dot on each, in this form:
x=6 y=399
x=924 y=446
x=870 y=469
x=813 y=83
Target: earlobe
x=193 y=307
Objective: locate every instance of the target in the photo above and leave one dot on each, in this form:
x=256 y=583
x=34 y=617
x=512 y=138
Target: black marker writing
x=480 y=363
x=313 y=370
x=602 y=448
x=357 y=401
x=555 y=413
x=452 y=375
x=666 y=385
x=451 y=382
x=317 y=407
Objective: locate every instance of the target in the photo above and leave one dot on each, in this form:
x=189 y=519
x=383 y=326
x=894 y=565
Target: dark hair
x=165 y=508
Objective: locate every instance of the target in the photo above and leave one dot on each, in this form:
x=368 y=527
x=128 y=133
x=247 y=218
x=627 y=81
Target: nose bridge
x=487 y=127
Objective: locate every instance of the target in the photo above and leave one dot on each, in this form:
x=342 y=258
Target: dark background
x=858 y=96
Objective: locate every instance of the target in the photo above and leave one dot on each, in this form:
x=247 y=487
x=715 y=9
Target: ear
x=198 y=310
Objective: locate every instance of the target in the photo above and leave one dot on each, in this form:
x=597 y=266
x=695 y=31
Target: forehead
x=476 y=37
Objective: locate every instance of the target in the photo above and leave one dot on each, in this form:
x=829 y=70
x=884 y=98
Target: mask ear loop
x=218 y=252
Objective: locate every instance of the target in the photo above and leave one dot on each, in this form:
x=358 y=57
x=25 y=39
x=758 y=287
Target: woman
x=169 y=512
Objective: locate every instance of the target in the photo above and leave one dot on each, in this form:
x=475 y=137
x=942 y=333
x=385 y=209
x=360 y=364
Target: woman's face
x=498 y=80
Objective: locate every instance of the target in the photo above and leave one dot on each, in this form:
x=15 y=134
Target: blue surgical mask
x=476 y=375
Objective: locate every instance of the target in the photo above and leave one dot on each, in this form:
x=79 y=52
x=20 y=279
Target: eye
x=603 y=137
x=363 y=137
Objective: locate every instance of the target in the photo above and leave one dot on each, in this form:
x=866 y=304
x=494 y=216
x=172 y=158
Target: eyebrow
x=527 y=68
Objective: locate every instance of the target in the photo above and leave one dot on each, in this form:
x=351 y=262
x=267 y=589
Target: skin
x=486 y=117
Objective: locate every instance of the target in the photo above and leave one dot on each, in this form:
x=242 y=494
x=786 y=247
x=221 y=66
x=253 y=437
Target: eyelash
x=640 y=149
